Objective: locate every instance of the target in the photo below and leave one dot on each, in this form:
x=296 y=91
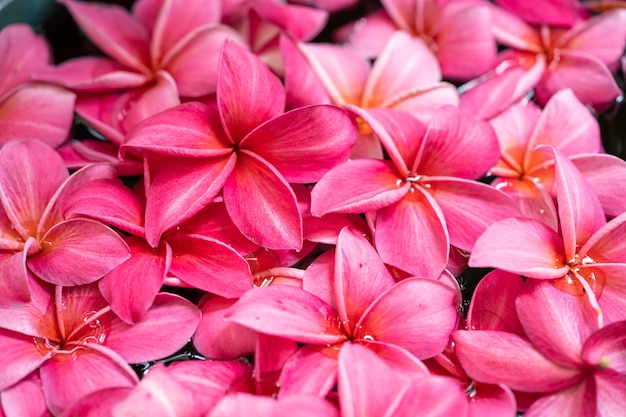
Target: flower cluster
x=259 y=221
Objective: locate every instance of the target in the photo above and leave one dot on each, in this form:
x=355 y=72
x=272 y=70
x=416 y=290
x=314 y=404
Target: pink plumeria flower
x=458 y=32
x=427 y=190
x=583 y=257
x=22 y=53
x=70 y=334
x=335 y=308
x=576 y=365
x=36 y=240
x=527 y=175
x=405 y=76
x=550 y=58
x=241 y=404
x=246 y=147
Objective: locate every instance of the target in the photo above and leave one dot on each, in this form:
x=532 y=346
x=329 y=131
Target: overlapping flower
x=268 y=223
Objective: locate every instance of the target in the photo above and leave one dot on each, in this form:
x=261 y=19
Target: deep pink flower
x=459 y=32
x=70 y=335
x=582 y=255
x=527 y=175
x=22 y=53
x=36 y=240
x=247 y=147
x=426 y=191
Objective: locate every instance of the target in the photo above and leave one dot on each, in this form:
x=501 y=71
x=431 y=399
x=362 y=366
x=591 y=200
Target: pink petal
x=248 y=94
x=566 y=124
x=469 y=207
x=342 y=71
x=165 y=328
x=423 y=331
x=359 y=394
x=287 y=312
x=466 y=45
x=579 y=400
x=536 y=252
x=433 y=396
x=96 y=369
x=553 y=12
x=311 y=370
x=605 y=348
x=221 y=339
x=606 y=243
x=496 y=357
x=541 y=306
x=168 y=204
x=210 y=265
x=609 y=386
x=493 y=303
x=580 y=212
x=15 y=276
x=132 y=286
x=262 y=204
x=25 y=398
x=512 y=31
x=356 y=258
x=424 y=101
x=452 y=140
x=23 y=52
x=611 y=289
x=20 y=357
x=191 y=129
x=88 y=73
x=378 y=191
x=175 y=22
x=194 y=63
x=302 y=23
x=305 y=143
x=240 y=403
x=98 y=403
x=492 y=401
x=55 y=113
x=78 y=251
x=114 y=31
x=30 y=174
x=370 y=35
x=29 y=317
x=605 y=173
x=319 y=277
x=588 y=77
x=601 y=36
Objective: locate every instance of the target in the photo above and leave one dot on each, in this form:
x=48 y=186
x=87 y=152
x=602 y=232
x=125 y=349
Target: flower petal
x=20 y=357
x=311 y=370
x=579 y=400
x=605 y=173
x=262 y=204
x=25 y=398
x=288 y=312
x=78 y=251
x=605 y=348
x=552 y=12
x=609 y=386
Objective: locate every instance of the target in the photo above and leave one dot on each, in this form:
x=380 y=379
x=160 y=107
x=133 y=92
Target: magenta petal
x=169 y=204
x=605 y=348
x=15 y=276
x=20 y=357
x=605 y=173
x=380 y=190
x=498 y=357
x=370 y=35
x=287 y=312
x=210 y=265
x=434 y=396
x=492 y=401
x=423 y=232
x=248 y=93
x=452 y=140
x=114 y=31
x=78 y=251
x=55 y=113
x=552 y=12
x=98 y=403
x=165 y=328
x=97 y=369
x=25 y=399
x=304 y=143
x=132 y=286
x=609 y=387
x=311 y=370
x=355 y=258
x=579 y=400
x=536 y=252
x=423 y=331
x=262 y=204
x=541 y=307
x=469 y=207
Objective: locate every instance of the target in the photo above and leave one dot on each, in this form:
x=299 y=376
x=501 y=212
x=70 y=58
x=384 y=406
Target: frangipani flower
x=359 y=303
x=426 y=191
x=405 y=76
x=247 y=147
x=576 y=365
x=550 y=58
x=584 y=257
x=458 y=32
x=70 y=334
x=35 y=239
x=22 y=53
x=527 y=175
